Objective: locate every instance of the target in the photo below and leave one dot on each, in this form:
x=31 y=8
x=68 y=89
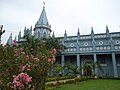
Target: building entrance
x=87 y=69
x=87 y=65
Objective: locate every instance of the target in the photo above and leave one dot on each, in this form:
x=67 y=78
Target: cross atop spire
x=43 y=4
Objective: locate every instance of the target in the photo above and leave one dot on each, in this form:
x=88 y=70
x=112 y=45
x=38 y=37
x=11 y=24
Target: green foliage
x=61 y=83
x=78 y=79
x=57 y=70
x=54 y=43
x=54 y=84
x=50 y=79
x=50 y=85
x=60 y=78
x=8 y=65
x=89 y=66
x=73 y=69
x=70 y=82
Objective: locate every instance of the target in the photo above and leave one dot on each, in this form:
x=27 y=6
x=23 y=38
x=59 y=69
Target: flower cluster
x=52 y=60
x=53 y=51
x=21 y=80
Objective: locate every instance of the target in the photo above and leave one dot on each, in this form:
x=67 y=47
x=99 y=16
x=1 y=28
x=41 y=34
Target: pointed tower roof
x=65 y=34
x=107 y=31
x=78 y=33
x=53 y=35
x=43 y=18
x=19 y=35
x=43 y=21
x=9 y=41
x=92 y=31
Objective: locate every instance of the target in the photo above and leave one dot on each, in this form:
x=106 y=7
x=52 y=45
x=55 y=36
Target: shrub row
x=76 y=80
x=60 y=78
x=109 y=77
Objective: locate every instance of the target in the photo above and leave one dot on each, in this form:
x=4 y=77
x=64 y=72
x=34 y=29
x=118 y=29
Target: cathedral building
x=81 y=49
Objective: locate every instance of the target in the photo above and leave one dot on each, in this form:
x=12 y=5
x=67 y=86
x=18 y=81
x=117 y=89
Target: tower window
x=38 y=34
x=44 y=35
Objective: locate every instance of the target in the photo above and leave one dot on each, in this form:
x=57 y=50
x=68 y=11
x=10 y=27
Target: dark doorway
x=87 y=69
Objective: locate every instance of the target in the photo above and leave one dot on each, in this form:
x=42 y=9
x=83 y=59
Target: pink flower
x=54 y=51
x=27 y=57
x=49 y=60
x=21 y=49
x=22 y=52
x=37 y=59
x=53 y=59
x=23 y=68
x=43 y=56
x=28 y=80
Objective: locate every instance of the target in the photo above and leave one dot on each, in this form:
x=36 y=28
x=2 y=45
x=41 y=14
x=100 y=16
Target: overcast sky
x=63 y=15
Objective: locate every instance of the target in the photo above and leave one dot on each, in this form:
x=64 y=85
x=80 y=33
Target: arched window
x=44 y=35
x=38 y=34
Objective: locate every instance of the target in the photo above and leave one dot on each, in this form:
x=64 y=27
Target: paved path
x=60 y=81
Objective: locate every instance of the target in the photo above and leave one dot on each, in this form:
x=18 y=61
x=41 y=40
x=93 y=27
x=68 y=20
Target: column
x=95 y=60
x=62 y=63
x=78 y=64
x=78 y=60
x=114 y=65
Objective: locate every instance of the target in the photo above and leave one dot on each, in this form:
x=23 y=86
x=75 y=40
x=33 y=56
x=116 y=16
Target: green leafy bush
x=70 y=81
x=61 y=83
x=50 y=79
x=60 y=78
x=78 y=79
x=50 y=85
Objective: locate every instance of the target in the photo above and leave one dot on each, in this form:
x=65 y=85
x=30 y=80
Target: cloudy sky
x=63 y=15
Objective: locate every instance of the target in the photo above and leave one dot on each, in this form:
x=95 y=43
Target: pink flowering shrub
x=21 y=81
x=34 y=60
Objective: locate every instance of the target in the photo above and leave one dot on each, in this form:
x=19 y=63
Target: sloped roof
x=43 y=18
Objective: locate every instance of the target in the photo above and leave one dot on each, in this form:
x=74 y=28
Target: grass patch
x=98 y=84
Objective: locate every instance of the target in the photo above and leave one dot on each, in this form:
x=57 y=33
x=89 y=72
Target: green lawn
x=101 y=84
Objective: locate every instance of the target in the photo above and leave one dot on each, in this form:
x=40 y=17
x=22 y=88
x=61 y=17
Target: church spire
x=107 y=31
x=53 y=35
x=92 y=32
x=19 y=36
x=42 y=27
x=65 y=36
x=78 y=34
x=43 y=17
x=9 y=41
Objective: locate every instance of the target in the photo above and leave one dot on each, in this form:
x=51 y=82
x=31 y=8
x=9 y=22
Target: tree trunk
x=40 y=84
